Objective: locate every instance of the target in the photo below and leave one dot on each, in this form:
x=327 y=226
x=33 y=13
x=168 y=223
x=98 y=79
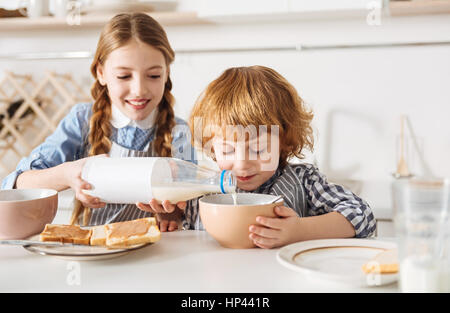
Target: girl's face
x=253 y=162
x=135 y=75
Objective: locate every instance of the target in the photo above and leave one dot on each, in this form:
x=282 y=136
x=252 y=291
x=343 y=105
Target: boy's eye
x=258 y=151
x=227 y=151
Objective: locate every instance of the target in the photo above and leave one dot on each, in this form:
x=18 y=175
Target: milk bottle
x=421 y=215
x=131 y=180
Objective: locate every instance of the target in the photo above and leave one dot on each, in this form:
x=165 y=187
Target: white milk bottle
x=131 y=180
x=421 y=215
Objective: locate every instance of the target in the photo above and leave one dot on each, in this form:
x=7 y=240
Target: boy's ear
x=100 y=75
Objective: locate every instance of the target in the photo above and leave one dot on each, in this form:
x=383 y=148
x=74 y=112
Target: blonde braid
x=99 y=125
x=165 y=121
x=100 y=131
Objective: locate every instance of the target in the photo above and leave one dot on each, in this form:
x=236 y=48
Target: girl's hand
x=73 y=177
x=275 y=231
x=165 y=207
x=166 y=224
x=167 y=214
x=170 y=221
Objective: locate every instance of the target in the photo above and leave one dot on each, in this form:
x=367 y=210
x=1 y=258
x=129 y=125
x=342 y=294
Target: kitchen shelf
x=174 y=18
x=93 y=21
x=419 y=7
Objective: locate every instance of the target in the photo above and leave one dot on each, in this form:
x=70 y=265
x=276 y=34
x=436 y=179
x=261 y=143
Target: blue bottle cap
x=221 y=181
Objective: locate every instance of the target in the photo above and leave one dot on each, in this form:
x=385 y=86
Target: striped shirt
x=308 y=193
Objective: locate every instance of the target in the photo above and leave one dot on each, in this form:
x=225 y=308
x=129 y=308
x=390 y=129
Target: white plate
x=337 y=260
x=81 y=253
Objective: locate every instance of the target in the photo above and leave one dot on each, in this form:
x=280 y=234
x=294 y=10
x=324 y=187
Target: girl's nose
x=138 y=87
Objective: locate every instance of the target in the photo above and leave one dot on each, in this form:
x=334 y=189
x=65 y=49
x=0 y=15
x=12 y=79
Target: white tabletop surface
x=182 y=261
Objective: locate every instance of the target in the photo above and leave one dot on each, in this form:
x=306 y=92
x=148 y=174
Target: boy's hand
x=275 y=231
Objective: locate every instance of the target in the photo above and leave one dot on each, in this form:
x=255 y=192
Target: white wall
x=357 y=95
x=362 y=91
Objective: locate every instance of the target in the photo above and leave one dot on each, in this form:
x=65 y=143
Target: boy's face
x=252 y=161
x=135 y=76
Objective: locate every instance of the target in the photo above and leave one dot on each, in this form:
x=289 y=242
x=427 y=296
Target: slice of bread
x=131 y=233
x=117 y=235
x=66 y=234
x=98 y=237
x=385 y=262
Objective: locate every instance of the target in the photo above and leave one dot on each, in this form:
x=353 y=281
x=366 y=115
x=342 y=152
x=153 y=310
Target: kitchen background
x=360 y=65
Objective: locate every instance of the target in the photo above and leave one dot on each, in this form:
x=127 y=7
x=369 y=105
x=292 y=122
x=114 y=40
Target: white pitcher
x=35 y=8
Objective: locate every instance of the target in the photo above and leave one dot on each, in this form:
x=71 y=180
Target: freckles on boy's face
x=252 y=164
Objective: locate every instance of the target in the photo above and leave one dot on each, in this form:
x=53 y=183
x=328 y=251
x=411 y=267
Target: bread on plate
x=131 y=233
x=116 y=235
x=66 y=234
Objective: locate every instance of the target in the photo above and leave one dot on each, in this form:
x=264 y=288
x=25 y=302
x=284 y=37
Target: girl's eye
x=128 y=76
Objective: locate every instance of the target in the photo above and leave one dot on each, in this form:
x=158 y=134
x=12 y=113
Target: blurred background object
x=11 y=13
x=30 y=110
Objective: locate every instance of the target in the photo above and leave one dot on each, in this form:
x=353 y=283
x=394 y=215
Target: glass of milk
x=421 y=210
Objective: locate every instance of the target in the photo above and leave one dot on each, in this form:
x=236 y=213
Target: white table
x=182 y=261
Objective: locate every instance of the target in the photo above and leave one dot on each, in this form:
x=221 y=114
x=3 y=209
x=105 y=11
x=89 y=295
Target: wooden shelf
x=422 y=7
x=93 y=21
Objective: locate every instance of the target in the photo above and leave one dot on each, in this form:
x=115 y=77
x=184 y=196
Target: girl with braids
x=131 y=116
